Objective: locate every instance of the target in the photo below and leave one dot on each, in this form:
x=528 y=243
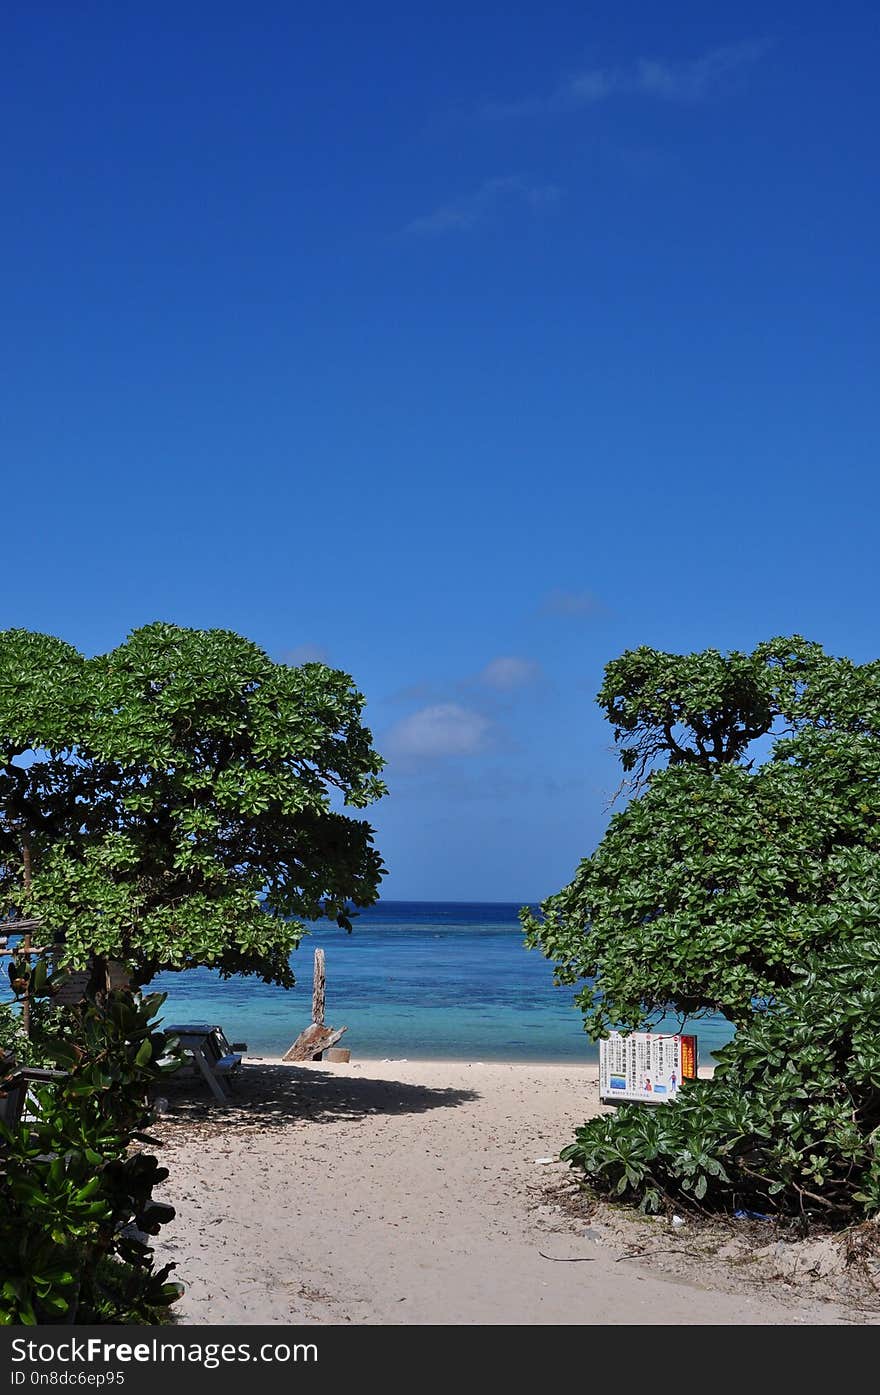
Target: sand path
x=406 y=1192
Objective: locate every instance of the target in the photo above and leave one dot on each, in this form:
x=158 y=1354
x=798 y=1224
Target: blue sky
x=465 y=348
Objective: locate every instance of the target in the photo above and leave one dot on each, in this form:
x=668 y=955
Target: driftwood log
x=313 y=1041
x=311 y=1044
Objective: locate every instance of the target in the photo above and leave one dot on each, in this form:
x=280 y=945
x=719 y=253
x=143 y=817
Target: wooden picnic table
x=212 y=1056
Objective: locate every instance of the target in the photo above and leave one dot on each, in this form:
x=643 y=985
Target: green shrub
x=75 y=1195
x=790 y=1124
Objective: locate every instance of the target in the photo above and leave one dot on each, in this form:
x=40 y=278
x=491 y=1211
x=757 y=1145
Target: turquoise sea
x=442 y=979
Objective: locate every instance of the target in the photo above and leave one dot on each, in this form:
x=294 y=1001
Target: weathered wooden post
x=318 y=994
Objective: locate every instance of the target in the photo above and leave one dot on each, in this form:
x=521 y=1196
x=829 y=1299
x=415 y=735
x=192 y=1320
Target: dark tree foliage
x=702 y=709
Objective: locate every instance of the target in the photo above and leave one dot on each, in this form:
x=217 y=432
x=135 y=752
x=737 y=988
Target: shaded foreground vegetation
x=76 y=1182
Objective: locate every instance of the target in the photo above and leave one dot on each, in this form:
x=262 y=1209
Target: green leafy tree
x=712 y=887
x=182 y=800
x=751 y=887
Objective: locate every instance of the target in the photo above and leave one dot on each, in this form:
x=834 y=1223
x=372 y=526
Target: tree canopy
x=181 y=800
x=711 y=888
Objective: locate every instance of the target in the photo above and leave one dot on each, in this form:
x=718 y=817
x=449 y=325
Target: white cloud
x=656 y=78
x=444 y=729
x=510 y=671
x=571 y=603
x=461 y=215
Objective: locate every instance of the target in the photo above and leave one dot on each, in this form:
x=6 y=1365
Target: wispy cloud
x=657 y=78
x=574 y=604
x=463 y=214
x=306 y=654
x=691 y=82
x=443 y=729
x=509 y=671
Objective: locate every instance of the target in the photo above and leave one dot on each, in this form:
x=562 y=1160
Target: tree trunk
x=26 y=939
x=99 y=978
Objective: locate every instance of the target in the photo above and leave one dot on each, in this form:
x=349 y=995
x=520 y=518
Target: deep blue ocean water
x=425 y=979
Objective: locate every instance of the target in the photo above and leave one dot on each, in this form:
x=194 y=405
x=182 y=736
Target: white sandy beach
x=410 y=1192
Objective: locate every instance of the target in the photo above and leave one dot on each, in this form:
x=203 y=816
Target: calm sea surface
x=440 y=979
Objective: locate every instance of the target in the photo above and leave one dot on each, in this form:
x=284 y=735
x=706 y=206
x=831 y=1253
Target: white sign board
x=645 y=1066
